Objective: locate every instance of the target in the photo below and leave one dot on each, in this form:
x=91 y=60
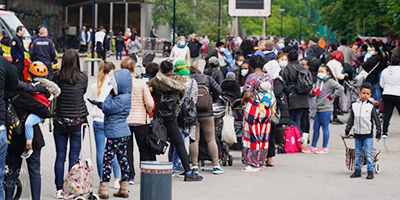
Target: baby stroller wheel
x=80 y=198
x=230 y=162
x=377 y=167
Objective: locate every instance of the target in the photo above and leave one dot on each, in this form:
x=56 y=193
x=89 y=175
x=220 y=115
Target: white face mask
x=222 y=49
x=240 y=63
x=281 y=45
x=244 y=72
x=372 y=53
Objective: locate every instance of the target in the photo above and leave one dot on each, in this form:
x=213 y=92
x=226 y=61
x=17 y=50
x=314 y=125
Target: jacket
x=213 y=87
x=116 y=106
x=142 y=102
x=328 y=87
x=43 y=50
x=97 y=113
x=214 y=53
x=370 y=64
x=281 y=91
x=348 y=55
x=362 y=117
x=119 y=44
x=8 y=83
x=390 y=81
x=71 y=103
x=168 y=83
x=296 y=100
x=17 y=49
x=215 y=73
x=230 y=90
x=336 y=68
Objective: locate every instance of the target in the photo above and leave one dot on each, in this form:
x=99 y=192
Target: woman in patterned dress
x=257 y=125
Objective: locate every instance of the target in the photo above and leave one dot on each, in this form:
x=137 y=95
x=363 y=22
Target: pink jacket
x=142 y=102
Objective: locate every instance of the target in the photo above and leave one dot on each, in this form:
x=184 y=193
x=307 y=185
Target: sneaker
x=322 y=150
x=178 y=168
x=195 y=170
x=250 y=169
x=116 y=185
x=309 y=149
x=384 y=136
x=356 y=174
x=132 y=181
x=59 y=194
x=182 y=175
x=370 y=175
x=27 y=152
x=218 y=170
x=193 y=177
x=336 y=121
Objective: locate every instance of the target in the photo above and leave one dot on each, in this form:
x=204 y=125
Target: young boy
x=362 y=117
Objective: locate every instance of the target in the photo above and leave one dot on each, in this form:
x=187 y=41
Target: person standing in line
x=194 y=46
x=82 y=40
x=43 y=50
x=17 y=51
x=181 y=51
x=348 y=55
x=98 y=92
x=119 y=45
x=142 y=103
x=89 y=40
x=153 y=37
x=100 y=42
x=71 y=113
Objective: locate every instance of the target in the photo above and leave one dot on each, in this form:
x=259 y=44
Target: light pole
x=219 y=19
x=282 y=11
x=301 y=18
x=173 y=24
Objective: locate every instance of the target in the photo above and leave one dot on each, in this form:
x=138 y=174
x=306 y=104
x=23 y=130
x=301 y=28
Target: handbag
x=13 y=123
x=228 y=133
x=157 y=139
x=364 y=74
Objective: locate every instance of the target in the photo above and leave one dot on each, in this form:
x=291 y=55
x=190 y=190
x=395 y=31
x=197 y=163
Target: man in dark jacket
x=43 y=50
x=17 y=51
x=214 y=70
x=8 y=82
x=313 y=49
x=194 y=46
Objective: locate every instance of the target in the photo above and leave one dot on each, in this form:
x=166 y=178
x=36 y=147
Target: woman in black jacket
x=71 y=113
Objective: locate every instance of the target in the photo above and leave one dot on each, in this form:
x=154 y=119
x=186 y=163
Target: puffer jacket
x=142 y=102
x=71 y=103
x=362 y=117
x=116 y=107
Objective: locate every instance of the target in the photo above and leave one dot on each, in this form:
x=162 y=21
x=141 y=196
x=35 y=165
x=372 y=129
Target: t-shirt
x=194 y=48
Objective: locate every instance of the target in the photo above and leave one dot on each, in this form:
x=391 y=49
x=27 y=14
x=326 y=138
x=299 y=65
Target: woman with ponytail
x=98 y=92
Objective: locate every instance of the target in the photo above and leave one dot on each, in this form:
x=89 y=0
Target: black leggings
x=146 y=154
x=390 y=102
x=176 y=140
x=275 y=137
x=335 y=108
x=305 y=121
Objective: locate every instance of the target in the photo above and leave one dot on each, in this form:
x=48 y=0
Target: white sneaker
x=59 y=194
x=250 y=169
x=116 y=185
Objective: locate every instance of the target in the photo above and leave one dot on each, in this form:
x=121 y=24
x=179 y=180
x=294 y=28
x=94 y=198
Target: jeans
x=61 y=141
x=173 y=154
x=115 y=146
x=367 y=144
x=295 y=117
x=119 y=54
x=3 y=151
x=29 y=123
x=20 y=69
x=390 y=102
x=35 y=179
x=376 y=90
x=321 y=119
x=100 y=138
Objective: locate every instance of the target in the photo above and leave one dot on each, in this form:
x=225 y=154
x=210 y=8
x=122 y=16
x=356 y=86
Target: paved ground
x=305 y=176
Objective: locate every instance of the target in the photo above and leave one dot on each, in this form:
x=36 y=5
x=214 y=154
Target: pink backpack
x=292 y=139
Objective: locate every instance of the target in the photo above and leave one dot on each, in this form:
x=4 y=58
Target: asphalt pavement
x=294 y=176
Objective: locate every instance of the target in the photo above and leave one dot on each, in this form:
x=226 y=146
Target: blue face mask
x=380 y=48
x=283 y=64
x=240 y=64
x=321 y=76
x=281 y=45
x=355 y=46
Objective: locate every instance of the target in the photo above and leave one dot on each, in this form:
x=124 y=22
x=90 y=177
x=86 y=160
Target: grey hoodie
x=328 y=87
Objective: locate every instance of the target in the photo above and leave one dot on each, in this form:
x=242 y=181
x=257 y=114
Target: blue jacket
x=116 y=107
x=17 y=49
x=43 y=50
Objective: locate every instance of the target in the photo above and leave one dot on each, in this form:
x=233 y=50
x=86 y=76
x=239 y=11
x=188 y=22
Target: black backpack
x=304 y=82
x=166 y=107
x=157 y=138
x=13 y=124
x=204 y=99
x=188 y=114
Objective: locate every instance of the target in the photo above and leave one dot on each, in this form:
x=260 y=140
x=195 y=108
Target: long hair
x=104 y=68
x=247 y=47
x=70 y=67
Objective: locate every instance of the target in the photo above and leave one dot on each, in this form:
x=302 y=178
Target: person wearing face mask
x=280 y=45
x=243 y=73
x=326 y=90
x=238 y=63
x=348 y=55
x=218 y=52
x=181 y=51
x=269 y=50
x=313 y=50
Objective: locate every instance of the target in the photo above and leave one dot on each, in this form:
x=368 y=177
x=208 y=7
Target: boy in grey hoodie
x=362 y=117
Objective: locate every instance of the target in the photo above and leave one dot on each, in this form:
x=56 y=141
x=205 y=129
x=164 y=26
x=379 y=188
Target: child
x=116 y=109
x=326 y=89
x=265 y=97
x=362 y=116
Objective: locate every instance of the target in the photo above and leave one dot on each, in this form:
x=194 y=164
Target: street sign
x=249 y=8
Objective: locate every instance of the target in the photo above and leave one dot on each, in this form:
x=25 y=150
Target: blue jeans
x=175 y=157
x=119 y=53
x=29 y=123
x=61 y=141
x=295 y=117
x=367 y=144
x=376 y=91
x=35 y=179
x=321 y=119
x=100 y=137
x=3 y=151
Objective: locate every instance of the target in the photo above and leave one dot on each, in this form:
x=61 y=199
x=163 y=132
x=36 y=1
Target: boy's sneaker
x=356 y=174
x=218 y=170
x=193 y=177
x=322 y=150
x=27 y=152
x=132 y=181
x=384 y=136
x=59 y=194
x=370 y=175
x=195 y=170
x=309 y=149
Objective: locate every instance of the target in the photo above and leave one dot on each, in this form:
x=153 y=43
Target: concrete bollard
x=156 y=180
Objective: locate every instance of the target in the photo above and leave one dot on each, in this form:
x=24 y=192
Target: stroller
x=78 y=184
x=167 y=49
x=148 y=56
x=351 y=154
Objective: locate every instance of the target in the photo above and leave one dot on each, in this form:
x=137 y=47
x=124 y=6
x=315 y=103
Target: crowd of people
x=267 y=79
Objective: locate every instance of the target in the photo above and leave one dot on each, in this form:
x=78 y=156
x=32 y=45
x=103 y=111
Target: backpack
x=292 y=139
x=166 y=106
x=13 y=124
x=157 y=138
x=188 y=114
x=304 y=82
x=204 y=99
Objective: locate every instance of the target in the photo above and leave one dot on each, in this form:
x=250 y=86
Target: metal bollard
x=156 y=180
